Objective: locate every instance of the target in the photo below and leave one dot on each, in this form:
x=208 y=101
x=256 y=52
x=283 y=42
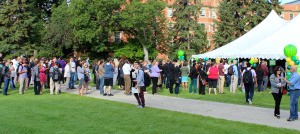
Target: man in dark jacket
x=171 y=76
x=6 y=76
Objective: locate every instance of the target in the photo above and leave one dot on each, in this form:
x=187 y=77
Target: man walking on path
x=266 y=75
x=221 y=77
x=294 y=88
x=249 y=80
x=140 y=86
x=108 y=78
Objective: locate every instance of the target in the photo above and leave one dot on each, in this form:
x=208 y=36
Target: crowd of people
x=135 y=77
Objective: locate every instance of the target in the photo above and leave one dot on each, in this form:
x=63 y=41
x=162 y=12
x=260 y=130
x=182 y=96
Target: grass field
x=69 y=114
x=260 y=99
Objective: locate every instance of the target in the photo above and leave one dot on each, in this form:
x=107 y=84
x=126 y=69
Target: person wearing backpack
x=140 y=85
x=108 y=78
x=22 y=77
x=249 y=81
x=6 y=77
x=55 y=75
x=233 y=71
x=35 y=72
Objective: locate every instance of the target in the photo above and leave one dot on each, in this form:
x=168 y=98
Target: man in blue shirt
x=294 y=88
x=234 y=77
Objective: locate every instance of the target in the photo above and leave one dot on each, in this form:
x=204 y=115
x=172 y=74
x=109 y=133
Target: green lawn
x=260 y=99
x=67 y=113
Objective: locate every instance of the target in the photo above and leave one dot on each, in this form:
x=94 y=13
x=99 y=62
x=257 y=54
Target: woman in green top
x=184 y=75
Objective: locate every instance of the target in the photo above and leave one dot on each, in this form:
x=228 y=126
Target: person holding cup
x=277 y=83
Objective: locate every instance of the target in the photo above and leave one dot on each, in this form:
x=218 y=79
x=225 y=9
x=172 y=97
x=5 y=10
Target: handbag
x=134 y=90
x=284 y=91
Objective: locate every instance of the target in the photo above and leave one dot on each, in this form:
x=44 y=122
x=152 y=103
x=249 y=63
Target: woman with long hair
x=184 y=75
x=193 y=75
x=277 y=83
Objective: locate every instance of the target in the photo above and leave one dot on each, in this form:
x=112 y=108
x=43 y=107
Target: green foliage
x=16 y=26
x=133 y=50
x=238 y=17
x=187 y=33
x=146 y=22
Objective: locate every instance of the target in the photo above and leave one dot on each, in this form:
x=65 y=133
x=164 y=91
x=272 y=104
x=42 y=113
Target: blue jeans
x=249 y=90
x=72 y=81
x=6 y=84
x=294 y=96
x=101 y=85
x=12 y=84
x=259 y=85
x=193 y=84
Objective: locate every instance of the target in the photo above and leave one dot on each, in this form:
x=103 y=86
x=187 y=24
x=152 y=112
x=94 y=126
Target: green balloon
x=288 y=67
x=294 y=58
x=251 y=62
x=290 y=50
x=297 y=62
x=180 y=53
x=196 y=59
x=254 y=65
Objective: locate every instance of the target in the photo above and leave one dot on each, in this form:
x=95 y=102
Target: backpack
x=18 y=74
x=147 y=79
x=56 y=74
x=247 y=77
x=230 y=70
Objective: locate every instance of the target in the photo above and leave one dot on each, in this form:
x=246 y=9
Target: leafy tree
x=145 y=21
x=238 y=17
x=187 y=33
x=16 y=27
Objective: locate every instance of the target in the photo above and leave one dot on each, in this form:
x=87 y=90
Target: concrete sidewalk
x=247 y=114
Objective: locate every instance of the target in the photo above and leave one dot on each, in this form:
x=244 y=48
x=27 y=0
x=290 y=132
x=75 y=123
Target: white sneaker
x=250 y=102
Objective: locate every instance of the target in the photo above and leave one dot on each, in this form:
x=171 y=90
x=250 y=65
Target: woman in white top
x=67 y=74
x=13 y=75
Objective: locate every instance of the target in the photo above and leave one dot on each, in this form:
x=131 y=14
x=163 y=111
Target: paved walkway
x=247 y=114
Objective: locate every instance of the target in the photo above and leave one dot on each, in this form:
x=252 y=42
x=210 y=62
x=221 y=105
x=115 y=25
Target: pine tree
x=15 y=26
x=238 y=17
x=187 y=33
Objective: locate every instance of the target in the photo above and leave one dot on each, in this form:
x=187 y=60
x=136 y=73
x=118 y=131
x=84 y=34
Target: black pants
x=171 y=85
x=97 y=82
x=62 y=77
x=154 y=84
x=277 y=97
x=201 y=89
x=48 y=81
x=13 y=83
x=177 y=86
x=37 y=87
x=140 y=97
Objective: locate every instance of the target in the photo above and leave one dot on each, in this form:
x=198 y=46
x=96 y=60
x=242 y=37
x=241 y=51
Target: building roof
x=294 y=2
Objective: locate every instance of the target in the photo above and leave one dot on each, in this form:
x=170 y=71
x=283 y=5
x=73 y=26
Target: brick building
x=290 y=10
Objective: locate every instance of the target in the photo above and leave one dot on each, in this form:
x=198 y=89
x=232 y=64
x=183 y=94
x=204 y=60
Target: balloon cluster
x=180 y=55
x=292 y=59
x=253 y=62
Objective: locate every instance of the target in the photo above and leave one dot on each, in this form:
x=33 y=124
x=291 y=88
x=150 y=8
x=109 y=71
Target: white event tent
x=272 y=47
x=271 y=24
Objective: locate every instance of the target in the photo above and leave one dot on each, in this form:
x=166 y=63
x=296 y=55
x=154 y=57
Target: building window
x=291 y=16
x=209 y=42
x=170 y=12
x=118 y=37
x=214 y=14
x=202 y=13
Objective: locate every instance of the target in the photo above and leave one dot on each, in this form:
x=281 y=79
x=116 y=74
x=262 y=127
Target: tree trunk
x=146 y=57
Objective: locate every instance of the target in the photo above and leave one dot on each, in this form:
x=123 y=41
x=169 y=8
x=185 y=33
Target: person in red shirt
x=266 y=74
x=213 y=74
x=221 y=76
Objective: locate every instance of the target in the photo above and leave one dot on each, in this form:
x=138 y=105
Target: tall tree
x=238 y=17
x=16 y=27
x=145 y=21
x=187 y=33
